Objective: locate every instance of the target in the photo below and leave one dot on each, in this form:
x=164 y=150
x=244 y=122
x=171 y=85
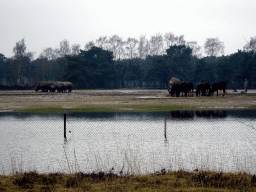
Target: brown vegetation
x=159 y=181
x=122 y=99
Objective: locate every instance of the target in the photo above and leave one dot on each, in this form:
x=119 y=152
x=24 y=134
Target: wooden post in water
x=165 y=119
x=65 y=126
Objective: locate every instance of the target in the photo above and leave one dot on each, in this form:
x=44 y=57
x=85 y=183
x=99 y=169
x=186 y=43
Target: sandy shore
x=19 y=100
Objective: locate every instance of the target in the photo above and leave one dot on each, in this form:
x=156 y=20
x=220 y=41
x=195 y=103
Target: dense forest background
x=111 y=63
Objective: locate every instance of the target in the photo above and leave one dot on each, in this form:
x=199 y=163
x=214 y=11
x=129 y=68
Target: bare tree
x=89 y=45
x=156 y=43
x=142 y=46
x=20 y=48
x=116 y=43
x=75 y=49
x=64 y=48
x=131 y=47
x=46 y=59
x=169 y=39
x=180 y=40
x=147 y=48
x=19 y=51
x=46 y=55
x=101 y=42
x=251 y=46
x=43 y=64
x=49 y=53
x=196 y=48
x=21 y=57
x=120 y=50
x=213 y=47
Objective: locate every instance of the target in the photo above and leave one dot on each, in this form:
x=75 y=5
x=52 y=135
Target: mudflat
x=122 y=100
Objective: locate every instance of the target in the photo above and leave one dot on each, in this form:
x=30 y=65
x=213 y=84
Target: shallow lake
x=134 y=143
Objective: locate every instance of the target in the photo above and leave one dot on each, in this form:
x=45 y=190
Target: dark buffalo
x=189 y=87
x=46 y=86
x=218 y=86
x=202 y=88
x=184 y=87
x=176 y=89
x=63 y=86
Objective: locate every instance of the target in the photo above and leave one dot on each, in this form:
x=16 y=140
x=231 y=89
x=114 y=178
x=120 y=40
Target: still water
x=134 y=143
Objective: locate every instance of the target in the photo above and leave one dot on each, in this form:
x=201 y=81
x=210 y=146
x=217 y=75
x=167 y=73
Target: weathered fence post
x=65 y=126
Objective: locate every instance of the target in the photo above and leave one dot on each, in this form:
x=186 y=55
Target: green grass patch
x=110 y=108
x=42 y=110
x=252 y=107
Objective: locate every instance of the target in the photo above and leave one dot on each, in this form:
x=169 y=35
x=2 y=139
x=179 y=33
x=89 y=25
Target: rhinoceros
x=46 y=86
x=62 y=86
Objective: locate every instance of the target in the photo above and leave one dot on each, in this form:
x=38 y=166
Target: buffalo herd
x=175 y=87
x=60 y=86
x=183 y=87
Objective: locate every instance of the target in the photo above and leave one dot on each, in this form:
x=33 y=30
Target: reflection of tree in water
x=181 y=114
x=191 y=114
x=23 y=115
x=214 y=114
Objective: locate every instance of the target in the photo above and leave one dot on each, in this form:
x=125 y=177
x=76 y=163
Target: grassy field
x=119 y=101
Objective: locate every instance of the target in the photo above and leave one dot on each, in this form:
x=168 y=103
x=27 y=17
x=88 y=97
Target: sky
x=46 y=23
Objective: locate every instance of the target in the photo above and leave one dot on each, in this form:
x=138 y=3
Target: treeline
x=95 y=69
x=105 y=67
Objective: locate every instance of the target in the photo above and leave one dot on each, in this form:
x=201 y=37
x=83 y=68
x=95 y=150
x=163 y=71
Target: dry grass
x=119 y=100
x=160 y=181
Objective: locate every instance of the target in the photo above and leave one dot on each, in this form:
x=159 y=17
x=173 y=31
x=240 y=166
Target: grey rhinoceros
x=46 y=86
x=62 y=86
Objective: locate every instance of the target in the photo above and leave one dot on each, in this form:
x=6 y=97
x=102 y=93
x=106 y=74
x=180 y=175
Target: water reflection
x=214 y=114
x=182 y=114
x=152 y=141
x=199 y=114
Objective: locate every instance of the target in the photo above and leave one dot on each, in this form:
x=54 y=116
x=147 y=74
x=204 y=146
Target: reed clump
x=158 y=181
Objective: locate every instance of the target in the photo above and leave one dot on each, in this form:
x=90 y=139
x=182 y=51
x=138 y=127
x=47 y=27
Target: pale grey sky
x=45 y=23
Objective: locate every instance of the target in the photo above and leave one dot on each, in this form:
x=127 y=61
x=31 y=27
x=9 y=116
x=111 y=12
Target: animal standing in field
x=176 y=89
x=53 y=87
x=184 y=87
x=63 y=86
x=218 y=86
x=187 y=87
x=173 y=81
x=46 y=86
x=191 y=87
x=202 y=88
